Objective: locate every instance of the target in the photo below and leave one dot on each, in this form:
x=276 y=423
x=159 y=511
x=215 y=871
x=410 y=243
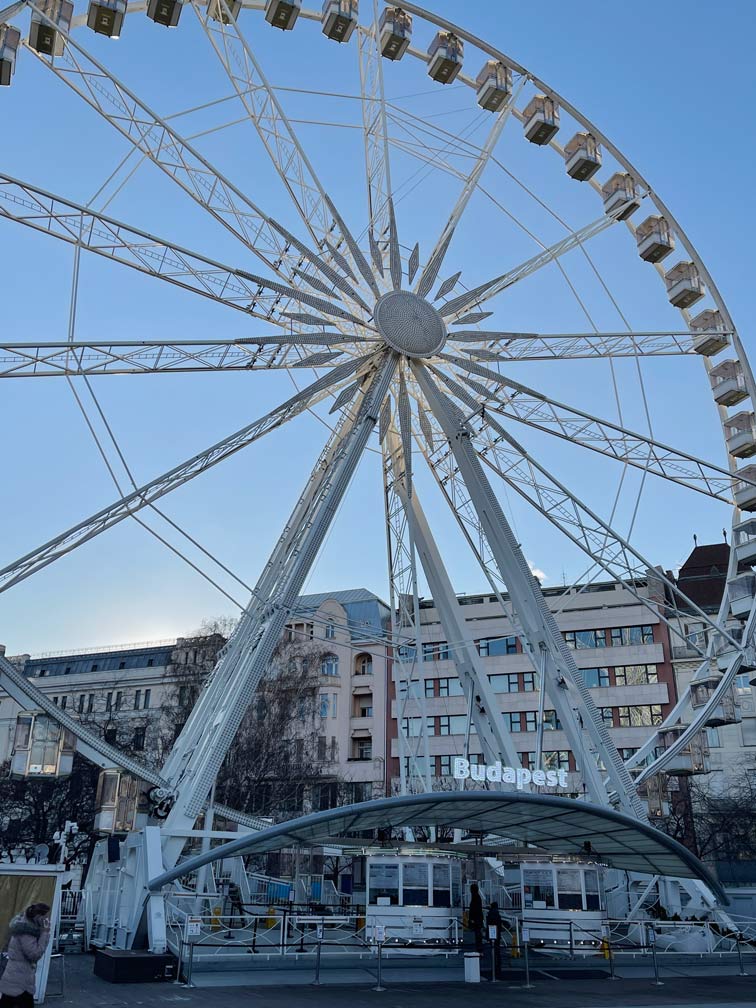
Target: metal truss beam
x=50 y=360
x=518 y=402
x=498 y=346
x=456 y=309
x=280 y=141
x=129 y=505
x=436 y=258
x=169 y=151
x=112 y=239
x=541 y=636
x=375 y=134
x=252 y=645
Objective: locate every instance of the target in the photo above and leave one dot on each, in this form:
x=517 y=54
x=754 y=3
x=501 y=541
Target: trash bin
x=472 y=967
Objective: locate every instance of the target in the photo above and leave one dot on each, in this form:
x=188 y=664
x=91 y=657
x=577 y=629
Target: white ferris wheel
x=403 y=312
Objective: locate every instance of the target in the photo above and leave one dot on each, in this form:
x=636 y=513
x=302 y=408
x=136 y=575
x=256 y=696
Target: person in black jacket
x=475 y=916
x=493 y=919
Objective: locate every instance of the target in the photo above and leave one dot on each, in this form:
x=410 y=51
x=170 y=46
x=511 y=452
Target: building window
x=321 y=748
x=550 y=721
x=67 y=670
x=63 y=702
x=624 y=636
x=437 y=651
x=529 y=682
x=507 y=683
x=366 y=708
x=527 y=760
x=150 y=662
x=110 y=735
x=324 y=705
x=118 y=700
x=626 y=754
x=42 y=672
x=109 y=702
x=364 y=664
x=635 y=675
x=558 y=759
x=444 y=725
x=491 y=647
x=147 y=697
x=594 y=677
x=607 y=716
x=334 y=699
x=82 y=700
x=138 y=698
x=520 y=720
x=448 y=687
x=90 y=703
x=458 y=724
x=363 y=748
x=122 y=665
x=411 y=726
x=330 y=630
x=712 y=738
x=55 y=700
x=743 y=682
x=94 y=668
x=581 y=640
x=430 y=687
x=329 y=665
x=444 y=766
x=138 y=741
x=640 y=716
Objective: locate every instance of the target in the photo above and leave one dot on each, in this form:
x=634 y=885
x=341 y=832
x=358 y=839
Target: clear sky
x=672 y=86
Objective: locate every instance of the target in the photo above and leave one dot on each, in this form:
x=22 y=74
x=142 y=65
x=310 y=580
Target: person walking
x=28 y=934
x=493 y=919
x=475 y=916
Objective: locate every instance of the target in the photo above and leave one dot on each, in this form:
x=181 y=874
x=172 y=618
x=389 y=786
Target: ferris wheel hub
x=409 y=324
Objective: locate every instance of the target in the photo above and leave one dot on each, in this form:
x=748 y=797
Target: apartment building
x=622 y=648
x=138 y=695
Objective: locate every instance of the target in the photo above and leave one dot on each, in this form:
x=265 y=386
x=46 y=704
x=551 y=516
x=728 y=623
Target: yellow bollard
x=270 y=920
x=605 y=948
x=216 y=921
x=515 y=947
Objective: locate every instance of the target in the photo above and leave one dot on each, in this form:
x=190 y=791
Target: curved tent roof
x=558 y=825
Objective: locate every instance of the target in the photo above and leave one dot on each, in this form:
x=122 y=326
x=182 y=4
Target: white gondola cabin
x=692 y=759
x=745 y=488
x=728 y=383
x=582 y=156
x=41 y=747
x=219 y=10
x=744 y=541
x=620 y=191
x=541 y=120
x=740 y=592
x=709 y=333
x=726 y=711
x=282 y=14
x=446 y=53
x=164 y=12
x=10 y=39
x=339 y=19
x=494 y=85
x=740 y=434
x=655 y=239
x=44 y=37
x=394 y=32
x=105 y=17
x=121 y=802
x=684 y=285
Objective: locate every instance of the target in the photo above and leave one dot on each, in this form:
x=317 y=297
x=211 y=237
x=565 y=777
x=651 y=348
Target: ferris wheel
x=403 y=308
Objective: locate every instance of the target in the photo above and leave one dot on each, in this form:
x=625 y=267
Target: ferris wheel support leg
x=496 y=743
x=250 y=649
x=562 y=680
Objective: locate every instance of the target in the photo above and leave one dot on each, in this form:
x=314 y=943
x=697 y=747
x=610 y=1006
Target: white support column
x=562 y=679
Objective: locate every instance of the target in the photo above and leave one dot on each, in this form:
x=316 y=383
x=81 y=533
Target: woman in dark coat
x=28 y=934
x=475 y=916
x=493 y=919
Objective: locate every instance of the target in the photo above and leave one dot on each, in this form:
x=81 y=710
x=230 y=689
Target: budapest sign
x=498 y=774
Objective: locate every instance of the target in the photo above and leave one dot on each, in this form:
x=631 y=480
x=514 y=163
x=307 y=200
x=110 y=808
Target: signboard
x=493 y=932
x=417 y=927
x=498 y=774
x=379 y=934
x=525 y=936
x=193 y=928
x=319 y=932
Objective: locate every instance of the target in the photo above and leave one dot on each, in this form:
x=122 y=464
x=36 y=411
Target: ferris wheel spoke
x=112 y=239
x=496 y=346
x=456 y=309
x=167 y=149
x=274 y=128
x=46 y=360
x=518 y=402
x=375 y=136
x=436 y=258
x=605 y=546
x=129 y=505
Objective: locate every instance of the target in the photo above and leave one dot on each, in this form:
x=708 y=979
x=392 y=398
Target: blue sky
x=674 y=92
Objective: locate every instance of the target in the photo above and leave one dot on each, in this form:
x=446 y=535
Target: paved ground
x=692 y=984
